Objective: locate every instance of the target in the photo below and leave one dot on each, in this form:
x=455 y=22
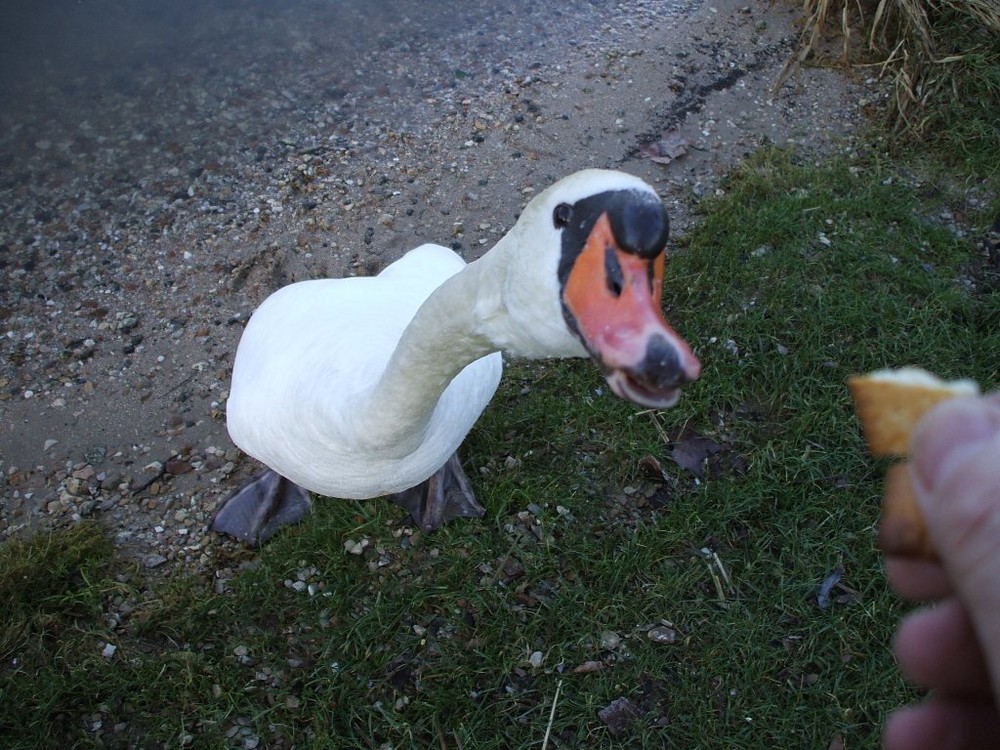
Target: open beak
x=612 y=298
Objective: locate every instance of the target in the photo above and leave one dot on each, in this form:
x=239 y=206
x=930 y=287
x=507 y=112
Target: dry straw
x=925 y=45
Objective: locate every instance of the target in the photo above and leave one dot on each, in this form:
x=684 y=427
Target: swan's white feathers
x=313 y=347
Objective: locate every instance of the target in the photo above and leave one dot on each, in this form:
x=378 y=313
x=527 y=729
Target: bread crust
x=889 y=408
x=902 y=530
x=889 y=403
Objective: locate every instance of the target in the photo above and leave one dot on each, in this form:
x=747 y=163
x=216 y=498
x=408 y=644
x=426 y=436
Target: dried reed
x=930 y=48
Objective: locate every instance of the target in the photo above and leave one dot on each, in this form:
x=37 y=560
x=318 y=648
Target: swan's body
x=321 y=437
x=361 y=387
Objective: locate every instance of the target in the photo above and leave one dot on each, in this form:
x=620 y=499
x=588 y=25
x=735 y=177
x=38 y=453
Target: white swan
x=361 y=387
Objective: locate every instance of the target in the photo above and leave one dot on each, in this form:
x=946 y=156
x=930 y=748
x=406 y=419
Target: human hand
x=953 y=648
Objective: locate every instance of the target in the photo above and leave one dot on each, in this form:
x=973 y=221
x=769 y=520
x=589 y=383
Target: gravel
x=162 y=171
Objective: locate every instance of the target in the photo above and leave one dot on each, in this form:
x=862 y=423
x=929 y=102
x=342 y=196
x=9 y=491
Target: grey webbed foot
x=256 y=512
x=447 y=494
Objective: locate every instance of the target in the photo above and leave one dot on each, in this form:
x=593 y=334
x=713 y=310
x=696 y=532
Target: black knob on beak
x=661 y=366
x=641 y=227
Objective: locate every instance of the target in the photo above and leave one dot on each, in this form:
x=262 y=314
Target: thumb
x=955 y=456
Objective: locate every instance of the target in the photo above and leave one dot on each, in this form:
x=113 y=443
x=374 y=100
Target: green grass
x=800 y=275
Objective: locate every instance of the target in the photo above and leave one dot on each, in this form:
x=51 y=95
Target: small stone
x=108 y=652
x=85 y=472
x=76 y=487
x=153 y=560
x=662 y=634
x=356 y=548
x=610 y=640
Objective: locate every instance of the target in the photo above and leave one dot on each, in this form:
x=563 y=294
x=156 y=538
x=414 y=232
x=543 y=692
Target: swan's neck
x=450 y=330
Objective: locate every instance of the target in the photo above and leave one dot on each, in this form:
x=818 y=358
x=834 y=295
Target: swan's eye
x=561 y=215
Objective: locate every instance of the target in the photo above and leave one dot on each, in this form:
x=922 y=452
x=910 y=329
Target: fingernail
x=949 y=430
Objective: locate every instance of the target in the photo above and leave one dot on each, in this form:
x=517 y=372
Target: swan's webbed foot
x=447 y=494
x=256 y=512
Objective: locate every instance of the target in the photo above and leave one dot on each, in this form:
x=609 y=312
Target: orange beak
x=612 y=299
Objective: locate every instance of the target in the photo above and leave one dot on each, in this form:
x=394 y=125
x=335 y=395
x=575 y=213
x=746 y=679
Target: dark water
x=99 y=98
x=81 y=48
x=264 y=65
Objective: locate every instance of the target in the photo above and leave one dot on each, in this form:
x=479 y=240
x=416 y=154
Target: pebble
x=610 y=640
x=356 y=548
x=662 y=634
x=154 y=560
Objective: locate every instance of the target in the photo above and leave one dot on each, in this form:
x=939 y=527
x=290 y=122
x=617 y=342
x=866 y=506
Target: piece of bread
x=889 y=404
x=903 y=530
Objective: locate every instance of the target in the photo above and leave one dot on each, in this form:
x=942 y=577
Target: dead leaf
x=692 y=452
x=837 y=742
x=177 y=467
x=619 y=716
x=671 y=145
x=511 y=569
x=652 y=466
x=589 y=666
x=850 y=596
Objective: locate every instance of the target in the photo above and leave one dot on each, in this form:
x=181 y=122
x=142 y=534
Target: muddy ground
x=162 y=171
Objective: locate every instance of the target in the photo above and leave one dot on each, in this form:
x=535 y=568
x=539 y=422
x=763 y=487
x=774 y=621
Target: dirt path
x=158 y=179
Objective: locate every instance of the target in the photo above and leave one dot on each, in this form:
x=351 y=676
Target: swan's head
x=611 y=230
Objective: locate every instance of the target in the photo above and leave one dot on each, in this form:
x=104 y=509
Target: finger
x=940 y=724
x=937 y=648
x=917 y=580
x=948 y=432
x=956 y=467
